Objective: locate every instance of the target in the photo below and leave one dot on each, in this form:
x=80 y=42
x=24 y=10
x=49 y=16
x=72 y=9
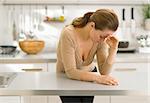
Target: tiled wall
x=52 y=30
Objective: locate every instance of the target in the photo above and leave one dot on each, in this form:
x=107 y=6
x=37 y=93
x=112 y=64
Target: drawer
x=9 y=99
x=35 y=67
x=130 y=67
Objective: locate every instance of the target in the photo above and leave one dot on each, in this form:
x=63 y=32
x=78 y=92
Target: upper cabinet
x=74 y=1
x=114 y=1
x=39 y=1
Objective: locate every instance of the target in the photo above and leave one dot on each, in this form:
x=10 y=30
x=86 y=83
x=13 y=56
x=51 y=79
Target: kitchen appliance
x=127 y=43
x=126 y=47
x=6 y=49
x=123 y=44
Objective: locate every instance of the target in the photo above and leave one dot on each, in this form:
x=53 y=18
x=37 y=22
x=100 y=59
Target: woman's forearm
x=111 y=56
x=106 y=67
x=81 y=75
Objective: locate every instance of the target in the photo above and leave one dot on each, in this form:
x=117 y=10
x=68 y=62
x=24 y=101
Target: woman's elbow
x=72 y=75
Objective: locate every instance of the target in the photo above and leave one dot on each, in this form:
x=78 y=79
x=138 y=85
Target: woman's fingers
x=107 y=80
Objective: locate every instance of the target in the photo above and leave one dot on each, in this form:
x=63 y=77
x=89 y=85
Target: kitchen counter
x=51 y=57
x=132 y=83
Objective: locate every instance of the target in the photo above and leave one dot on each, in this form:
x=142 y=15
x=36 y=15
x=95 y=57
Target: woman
x=86 y=37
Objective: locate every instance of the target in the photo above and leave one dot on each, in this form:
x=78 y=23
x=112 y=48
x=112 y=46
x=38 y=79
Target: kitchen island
x=134 y=67
x=131 y=83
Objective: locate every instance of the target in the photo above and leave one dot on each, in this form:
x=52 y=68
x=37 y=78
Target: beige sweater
x=70 y=62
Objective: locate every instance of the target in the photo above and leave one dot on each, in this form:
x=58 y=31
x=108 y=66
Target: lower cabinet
x=101 y=99
x=54 y=99
x=130 y=99
x=34 y=99
x=10 y=99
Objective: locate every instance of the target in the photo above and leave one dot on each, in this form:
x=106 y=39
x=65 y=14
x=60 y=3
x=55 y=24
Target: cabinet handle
x=125 y=69
x=32 y=70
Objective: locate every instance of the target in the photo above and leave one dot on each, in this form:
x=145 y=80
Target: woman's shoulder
x=67 y=32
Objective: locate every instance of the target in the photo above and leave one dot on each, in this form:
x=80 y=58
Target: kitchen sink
x=6 y=79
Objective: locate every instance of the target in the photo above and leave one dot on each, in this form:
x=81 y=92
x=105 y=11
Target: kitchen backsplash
x=29 y=17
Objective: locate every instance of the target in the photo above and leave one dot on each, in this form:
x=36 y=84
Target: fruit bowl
x=31 y=46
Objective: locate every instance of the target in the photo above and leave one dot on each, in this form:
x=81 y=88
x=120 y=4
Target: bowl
x=31 y=46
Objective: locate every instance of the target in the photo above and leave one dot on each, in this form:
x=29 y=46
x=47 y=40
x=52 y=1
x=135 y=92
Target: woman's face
x=98 y=35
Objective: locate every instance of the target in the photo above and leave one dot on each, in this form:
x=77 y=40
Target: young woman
x=86 y=37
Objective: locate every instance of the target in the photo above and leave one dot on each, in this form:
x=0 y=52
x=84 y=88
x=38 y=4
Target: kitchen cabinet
x=113 y=1
x=10 y=99
x=75 y=1
x=130 y=67
x=130 y=99
x=54 y=99
x=37 y=67
x=101 y=99
x=39 y=99
x=39 y=1
x=34 y=99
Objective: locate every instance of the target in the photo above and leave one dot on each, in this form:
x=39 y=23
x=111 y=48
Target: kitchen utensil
x=40 y=27
x=21 y=34
x=31 y=46
x=133 y=25
x=14 y=31
x=124 y=30
x=6 y=49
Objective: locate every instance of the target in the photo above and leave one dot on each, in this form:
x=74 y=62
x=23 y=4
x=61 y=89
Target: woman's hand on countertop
x=106 y=80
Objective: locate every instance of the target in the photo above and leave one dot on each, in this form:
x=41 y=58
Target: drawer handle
x=32 y=70
x=125 y=69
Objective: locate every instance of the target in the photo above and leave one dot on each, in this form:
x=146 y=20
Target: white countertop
x=51 y=84
x=51 y=57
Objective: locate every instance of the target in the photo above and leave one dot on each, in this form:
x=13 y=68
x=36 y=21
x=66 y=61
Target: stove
x=12 y=54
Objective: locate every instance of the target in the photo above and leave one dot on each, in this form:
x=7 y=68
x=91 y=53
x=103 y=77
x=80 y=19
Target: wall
x=51 y=31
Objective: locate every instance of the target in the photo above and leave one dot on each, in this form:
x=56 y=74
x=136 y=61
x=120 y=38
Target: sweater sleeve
x=69 y=61
x=103 y=59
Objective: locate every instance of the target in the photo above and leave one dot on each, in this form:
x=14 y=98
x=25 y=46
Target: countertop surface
x=52 y=57
x=132 y=83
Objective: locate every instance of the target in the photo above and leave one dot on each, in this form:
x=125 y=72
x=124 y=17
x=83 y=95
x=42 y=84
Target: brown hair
x=103 y=19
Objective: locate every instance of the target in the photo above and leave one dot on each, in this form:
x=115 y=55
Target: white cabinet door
x=52 y=67
x=39 y=99
x=130 y=99
x=9 y=99
x=101 y=99
x=35 y=67
x=34 y=99
x=54 y=99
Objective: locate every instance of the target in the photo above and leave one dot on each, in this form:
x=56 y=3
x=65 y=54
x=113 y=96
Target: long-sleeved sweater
x=70 y=62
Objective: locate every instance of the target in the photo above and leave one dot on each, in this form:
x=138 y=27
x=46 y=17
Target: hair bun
x=87 y=16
